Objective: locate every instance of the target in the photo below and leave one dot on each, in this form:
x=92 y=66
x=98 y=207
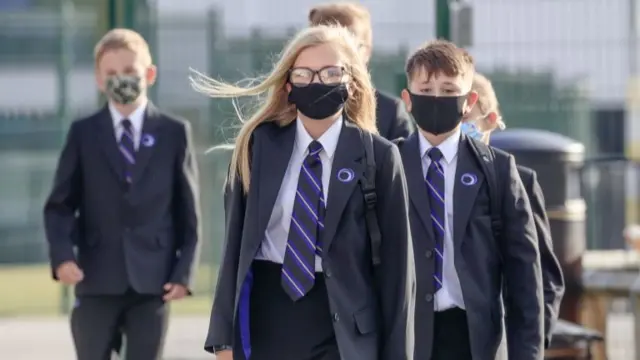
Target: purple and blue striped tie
x=127 y=149
x=298 y=268
x=435 y=188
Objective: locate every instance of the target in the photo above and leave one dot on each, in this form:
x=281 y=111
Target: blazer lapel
x=348 y=156
x=469 y=178
x=271 y=156
x=109 y=143
x=149 y=139
x=412 y=160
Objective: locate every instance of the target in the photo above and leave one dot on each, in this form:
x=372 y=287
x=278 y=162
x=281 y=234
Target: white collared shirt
x=450 y=295
x=276 y=235
x=136 y=118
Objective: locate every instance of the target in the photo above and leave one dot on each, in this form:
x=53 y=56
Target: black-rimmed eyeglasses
x=329 y=75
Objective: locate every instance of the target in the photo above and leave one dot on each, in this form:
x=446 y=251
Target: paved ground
x=49 y=338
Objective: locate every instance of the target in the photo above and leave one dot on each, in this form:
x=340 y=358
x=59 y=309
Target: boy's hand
x=224 y=355
x=69 y=273
x=174 y=292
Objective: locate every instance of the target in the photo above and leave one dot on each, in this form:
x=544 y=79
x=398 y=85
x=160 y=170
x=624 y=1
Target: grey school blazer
x=372 y=311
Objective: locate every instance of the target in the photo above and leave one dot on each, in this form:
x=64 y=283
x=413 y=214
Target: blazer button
x=336 y=317
x=429 y=254
x=428 y=297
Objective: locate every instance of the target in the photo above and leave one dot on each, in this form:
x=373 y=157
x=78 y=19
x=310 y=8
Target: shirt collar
x=136 y=117
x=449 y=147
x=328 y=140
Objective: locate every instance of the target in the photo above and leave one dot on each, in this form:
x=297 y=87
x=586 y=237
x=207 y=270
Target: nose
x=315 y=79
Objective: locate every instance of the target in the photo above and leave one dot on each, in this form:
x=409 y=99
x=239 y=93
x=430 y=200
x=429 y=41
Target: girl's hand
x=224 y=355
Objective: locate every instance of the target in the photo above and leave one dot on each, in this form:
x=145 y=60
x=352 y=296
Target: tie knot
x=435 y=154
x=313 y=158
x=126 y=124
x=314 y=148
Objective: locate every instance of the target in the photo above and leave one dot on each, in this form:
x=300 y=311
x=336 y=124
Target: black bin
x=557 y=160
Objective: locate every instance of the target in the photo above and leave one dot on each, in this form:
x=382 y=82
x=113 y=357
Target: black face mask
x=437 y=114
x=319 y=101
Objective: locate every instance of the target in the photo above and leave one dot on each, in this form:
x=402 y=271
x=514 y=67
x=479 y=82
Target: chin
x=331 y=118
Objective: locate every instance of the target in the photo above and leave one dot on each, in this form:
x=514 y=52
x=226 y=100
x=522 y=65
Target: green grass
x=29 y=290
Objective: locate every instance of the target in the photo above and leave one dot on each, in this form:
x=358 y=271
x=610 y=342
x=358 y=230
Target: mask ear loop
x=499 y=123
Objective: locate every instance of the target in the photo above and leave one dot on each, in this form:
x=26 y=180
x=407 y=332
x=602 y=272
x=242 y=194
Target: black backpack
x=368 y=187
x=485 y=156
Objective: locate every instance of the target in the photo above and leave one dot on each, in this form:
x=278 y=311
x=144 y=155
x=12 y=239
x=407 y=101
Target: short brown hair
x=118 y=39
x=440 y=56
x=351 y=15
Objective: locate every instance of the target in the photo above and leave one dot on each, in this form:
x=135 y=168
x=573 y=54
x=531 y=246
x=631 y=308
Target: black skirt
x=281 y=329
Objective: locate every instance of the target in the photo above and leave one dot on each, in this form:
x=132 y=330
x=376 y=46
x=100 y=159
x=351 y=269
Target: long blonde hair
x=360 y=107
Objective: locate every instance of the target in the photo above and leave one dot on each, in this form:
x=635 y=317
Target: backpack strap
x=486 y=159
x=368 y=186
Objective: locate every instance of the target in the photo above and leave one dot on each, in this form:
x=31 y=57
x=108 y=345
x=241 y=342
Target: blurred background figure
x=576 y=84
x=483 y=119
x=125 y=196
x=392 y=118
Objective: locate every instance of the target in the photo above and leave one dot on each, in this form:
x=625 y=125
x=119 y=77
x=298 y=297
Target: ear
x=406 y=98
x=100 y=81
x=152 y=75
x=472 y=99
x=492 y=119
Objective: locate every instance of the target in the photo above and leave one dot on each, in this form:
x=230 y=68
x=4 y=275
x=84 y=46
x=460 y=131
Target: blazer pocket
x=365 y=320
x=152 y=242
x=163 y=241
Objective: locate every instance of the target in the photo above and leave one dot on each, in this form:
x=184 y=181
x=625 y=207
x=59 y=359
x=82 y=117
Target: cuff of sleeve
x=218 y=348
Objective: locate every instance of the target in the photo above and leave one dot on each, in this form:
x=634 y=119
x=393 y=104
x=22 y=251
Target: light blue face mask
x=470 y=129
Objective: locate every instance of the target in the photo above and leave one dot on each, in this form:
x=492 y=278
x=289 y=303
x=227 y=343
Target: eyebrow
x=426 y=82
x=317 y=68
